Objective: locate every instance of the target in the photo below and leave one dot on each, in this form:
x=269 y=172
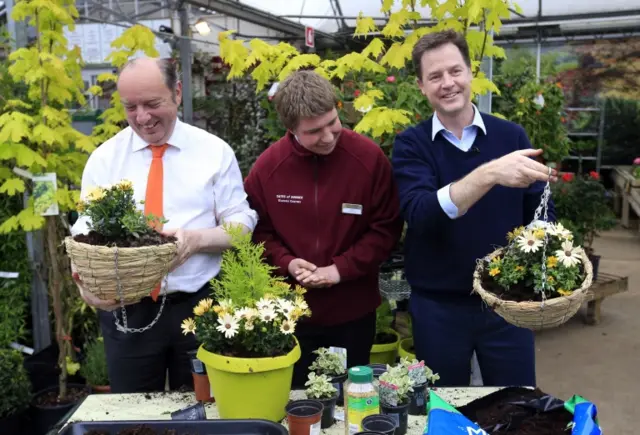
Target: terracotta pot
x=304 y=417
x=202 y=387
x=101 y=389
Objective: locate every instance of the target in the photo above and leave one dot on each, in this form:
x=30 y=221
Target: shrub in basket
x=319 y=388
x=385 y=343
x=395 y=391
x=247 y=341
x=122 y=257
x=539 y=280
x=331 y=364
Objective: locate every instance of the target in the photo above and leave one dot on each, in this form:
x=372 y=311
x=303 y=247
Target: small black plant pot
x=378 y=369
x=378 y=423
x=43 y=418
x=595 y=262
x=418 y=403
x=328 y=414
x=338 y=383
x=400 y=415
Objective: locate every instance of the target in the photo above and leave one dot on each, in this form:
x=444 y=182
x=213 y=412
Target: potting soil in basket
x=513 y=411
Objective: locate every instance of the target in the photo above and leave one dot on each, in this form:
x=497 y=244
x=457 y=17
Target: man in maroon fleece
x=328 y=215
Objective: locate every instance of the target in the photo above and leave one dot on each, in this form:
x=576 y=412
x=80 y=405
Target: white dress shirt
x=203 y=188
x=469 y=134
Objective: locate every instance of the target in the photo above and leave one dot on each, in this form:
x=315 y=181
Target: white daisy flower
x=267 y=314
x=285 y=307
x=226 y=304
x=264 y=303
x=528 y=242
x=248 y=325
x=560 y=231
x=288 y=327
x=568 y=255
x=228 y=325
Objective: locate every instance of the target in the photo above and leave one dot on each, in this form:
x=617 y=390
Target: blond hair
x=303 y=94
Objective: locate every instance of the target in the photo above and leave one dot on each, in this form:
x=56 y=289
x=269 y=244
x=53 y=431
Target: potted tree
x=421 y=377
x=395 y=396
x=582 y=203
x=94 y=366
x=385 y=347
x=320 y=388
x=332 y=365
x=16 y=392
x=247 y=341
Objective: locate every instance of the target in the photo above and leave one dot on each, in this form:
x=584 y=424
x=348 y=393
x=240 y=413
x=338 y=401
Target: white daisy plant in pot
x=517 y=273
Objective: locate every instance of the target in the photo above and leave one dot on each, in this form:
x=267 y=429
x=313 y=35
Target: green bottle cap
x=361 y=374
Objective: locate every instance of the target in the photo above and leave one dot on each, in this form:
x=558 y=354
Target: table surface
x=159 y=406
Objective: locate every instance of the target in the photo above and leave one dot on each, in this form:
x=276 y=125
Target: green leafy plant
x=327 y=363
x=14 y=383
x=583 y=200
x=519 y=273
x=113 y=214
x=94 y=365
x=319 y=387
x=395 y=386
x=540 y=111
x=257 y=312
x=419 y=373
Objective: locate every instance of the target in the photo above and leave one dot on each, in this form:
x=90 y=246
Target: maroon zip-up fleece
x=300 y=199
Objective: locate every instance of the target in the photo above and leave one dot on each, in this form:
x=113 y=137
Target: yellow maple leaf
x=10 y=225
x=106 y=77
x=29 y=221
x=95 y=90
x=12 y=186
x=374 y=49
x=302 y=60
x=44 y=134
x=382 y=120
x=397 y=55
x=27 y=157
x=364 y=25
x=14 y=126
x=480 y=85
x=386 y=6
x=365 y=101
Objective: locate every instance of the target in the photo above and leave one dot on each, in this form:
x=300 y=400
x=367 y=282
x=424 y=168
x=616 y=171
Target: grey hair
x=168 y=70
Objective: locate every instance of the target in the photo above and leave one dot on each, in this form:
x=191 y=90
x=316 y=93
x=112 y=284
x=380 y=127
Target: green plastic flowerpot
x=385 y=353
x=405 y=349
x=250 y=388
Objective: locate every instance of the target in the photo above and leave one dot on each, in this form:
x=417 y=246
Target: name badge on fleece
x=351 y=208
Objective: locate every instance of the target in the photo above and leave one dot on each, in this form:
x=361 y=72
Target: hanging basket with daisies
x=246 y=332
x=540 y=279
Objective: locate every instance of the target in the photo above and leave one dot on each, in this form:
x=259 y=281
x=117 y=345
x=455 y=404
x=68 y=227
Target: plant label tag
x=314 y=429
x=44 y=194
x=348 y=208
x=9 y=275
x=340 y=351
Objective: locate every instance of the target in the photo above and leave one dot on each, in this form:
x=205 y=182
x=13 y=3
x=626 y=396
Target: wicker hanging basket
x=535 y=315
x=138 y=270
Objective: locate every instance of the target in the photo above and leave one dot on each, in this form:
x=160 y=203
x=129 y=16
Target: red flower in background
x=636 y=161
x=391 y=79
x=594 y=175
x=567 y=177
x=356 y=93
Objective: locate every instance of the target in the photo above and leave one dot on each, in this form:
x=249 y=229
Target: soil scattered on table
x=152 y=239
x=496 y=415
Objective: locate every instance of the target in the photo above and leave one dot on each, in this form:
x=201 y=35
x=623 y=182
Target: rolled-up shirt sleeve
x=444 y=198
x=230 y=197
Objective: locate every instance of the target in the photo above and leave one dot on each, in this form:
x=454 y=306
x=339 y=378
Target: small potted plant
x=331 y=364
x=395 y=395
x=16 y=392
x=421 y=377
x=319 y=388
x=385 y=344
x=94 y=366
x=247 y=339
x=123 y=257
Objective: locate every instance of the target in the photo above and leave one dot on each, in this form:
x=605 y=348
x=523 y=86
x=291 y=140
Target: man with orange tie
x=191 y=178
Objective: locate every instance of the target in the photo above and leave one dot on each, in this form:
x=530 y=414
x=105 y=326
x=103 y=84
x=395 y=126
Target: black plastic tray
x=201 y=427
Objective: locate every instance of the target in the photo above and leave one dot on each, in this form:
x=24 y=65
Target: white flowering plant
x=518 y=274
x=256 y=313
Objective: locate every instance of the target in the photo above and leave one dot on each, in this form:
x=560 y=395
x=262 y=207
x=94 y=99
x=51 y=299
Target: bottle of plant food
x=360 y=398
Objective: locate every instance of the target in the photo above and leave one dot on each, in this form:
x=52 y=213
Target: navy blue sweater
x=441 y=253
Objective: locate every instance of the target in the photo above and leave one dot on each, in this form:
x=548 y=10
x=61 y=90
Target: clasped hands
x=309 y=275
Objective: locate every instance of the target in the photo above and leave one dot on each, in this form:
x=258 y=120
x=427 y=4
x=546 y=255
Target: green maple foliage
x=384 y=55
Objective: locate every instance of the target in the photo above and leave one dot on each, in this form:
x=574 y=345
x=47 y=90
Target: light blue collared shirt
x=469 y=134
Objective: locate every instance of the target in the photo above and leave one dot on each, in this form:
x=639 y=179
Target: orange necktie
x=153 y=198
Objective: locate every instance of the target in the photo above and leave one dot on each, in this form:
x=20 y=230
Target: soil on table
x=495 y=409
x=385 y=338
x=50 y=399
x=152 y=239
x=517 y=293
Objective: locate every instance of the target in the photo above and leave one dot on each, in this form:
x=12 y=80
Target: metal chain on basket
x=125 y=328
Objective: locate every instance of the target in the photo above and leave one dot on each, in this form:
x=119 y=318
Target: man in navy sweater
x=465 y=180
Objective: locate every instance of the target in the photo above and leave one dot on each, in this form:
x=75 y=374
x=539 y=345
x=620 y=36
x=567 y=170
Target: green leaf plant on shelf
x=247 y=335
x=375 y=84
x=328 y=363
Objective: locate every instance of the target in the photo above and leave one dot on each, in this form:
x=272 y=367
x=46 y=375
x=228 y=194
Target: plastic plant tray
x=181 y=427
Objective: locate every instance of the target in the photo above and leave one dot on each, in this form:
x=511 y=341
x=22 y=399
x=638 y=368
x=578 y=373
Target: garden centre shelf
x=599 y=135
